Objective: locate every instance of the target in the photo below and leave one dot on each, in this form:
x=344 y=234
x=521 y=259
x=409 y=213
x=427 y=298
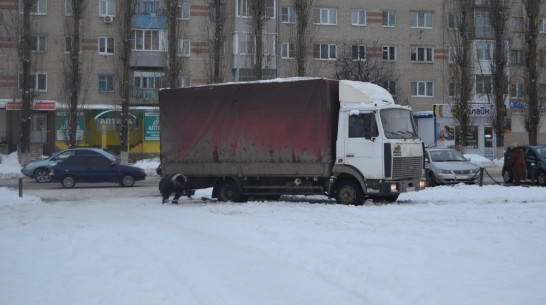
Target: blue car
x=40 y=169
x=94 y=168
x=535 y=155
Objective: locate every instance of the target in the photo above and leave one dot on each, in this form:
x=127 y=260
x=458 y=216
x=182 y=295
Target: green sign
x=62 y=128
x=151 y=126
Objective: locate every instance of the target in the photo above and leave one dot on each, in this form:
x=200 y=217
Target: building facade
x=218 y=41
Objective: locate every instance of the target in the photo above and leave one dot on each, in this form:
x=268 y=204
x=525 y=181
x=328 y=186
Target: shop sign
x=62 y=127
x=474 y=110
x=151 y=126
x=37 y=105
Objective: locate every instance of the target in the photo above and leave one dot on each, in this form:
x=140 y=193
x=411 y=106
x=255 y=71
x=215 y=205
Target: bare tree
x=303 y=13
x=174 y=66
x=126 y=11
x=356 y=63
x=75 y=68
x=532 y=118
x=499 y=13
x=461 y=67
x=217 y=39
x=25 y=58
x=257 y=21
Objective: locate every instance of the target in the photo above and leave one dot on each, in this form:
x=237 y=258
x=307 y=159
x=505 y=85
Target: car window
x=86 y=152
x=99 y=162
x=446 y=155
x=74 y=162
x=64 y=155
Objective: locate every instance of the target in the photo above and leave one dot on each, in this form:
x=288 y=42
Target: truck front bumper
x=387 y=187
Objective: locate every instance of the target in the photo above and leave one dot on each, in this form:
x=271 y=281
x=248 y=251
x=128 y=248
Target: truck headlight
x=394 y=188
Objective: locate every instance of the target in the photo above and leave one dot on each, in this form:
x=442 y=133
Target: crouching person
x=175 y=183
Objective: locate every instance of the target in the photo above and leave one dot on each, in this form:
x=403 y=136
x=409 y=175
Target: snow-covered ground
x=113 y=245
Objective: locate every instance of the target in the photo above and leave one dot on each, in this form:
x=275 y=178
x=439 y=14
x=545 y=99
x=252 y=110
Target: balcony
x=144 y=97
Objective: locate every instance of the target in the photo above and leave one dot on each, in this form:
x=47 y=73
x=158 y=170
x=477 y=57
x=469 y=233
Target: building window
x=421 y=89
x=148 y=80
x=455 y=54
x=68 y=44
x=148 y=7
x=358 y=17
x=184 y=47
x=106 y=45
x=482 y=24
x=270 y=9
x=288 y=50
x=516 y=57
x=516 y=91
x=454 y=90
x=389 y=19
x=68 y=7
x=454 y=21
x=38 y=43
x=243 y=9
x=359 y=52
x=326 y=16
x=288 y=14
x=106 y=82
x=246 y=46
x=483 y=84
x=107 y=8
x=68 y=82
x=325 y=51
x=421 y=54
x=484 y=49
x=38 y=82
x=145 y=40
x=421 y=20
x=183 y=81
x=184 y=11
x=389 y=53
x=39 y=7
x=390 y=85
x=542 y=26
x=516 y=24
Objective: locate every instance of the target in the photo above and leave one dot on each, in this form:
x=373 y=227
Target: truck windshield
x=398 y=124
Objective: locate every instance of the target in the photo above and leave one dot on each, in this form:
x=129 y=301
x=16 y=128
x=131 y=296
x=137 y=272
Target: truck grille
x=407 y=167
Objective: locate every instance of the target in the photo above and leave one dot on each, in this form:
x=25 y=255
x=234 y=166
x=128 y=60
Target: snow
x=111 y=245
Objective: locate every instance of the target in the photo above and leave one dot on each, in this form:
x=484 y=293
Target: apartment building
x=409 y=38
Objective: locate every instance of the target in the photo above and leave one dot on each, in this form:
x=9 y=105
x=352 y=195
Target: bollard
x=532 y=172
x=20 y=187
x=481 y=176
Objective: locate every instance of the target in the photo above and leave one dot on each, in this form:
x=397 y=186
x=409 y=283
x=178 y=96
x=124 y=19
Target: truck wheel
x=68 y=182
x=41 y=175
x=349 y=193
x=229 y=192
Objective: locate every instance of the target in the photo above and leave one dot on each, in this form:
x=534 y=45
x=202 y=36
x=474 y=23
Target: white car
x=448 y=166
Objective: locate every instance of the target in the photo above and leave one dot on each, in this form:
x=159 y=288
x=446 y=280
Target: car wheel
x=68 y=182
x=229 y=191
x=432 y=179
x=127 y=180
x=41 y=175
x=349 y=193
x=506 y=176
x=541 y=178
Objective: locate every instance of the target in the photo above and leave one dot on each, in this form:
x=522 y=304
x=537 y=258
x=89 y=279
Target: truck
x=344 y=139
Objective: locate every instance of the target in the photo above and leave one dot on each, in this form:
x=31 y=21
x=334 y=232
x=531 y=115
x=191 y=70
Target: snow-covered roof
x=353 y=92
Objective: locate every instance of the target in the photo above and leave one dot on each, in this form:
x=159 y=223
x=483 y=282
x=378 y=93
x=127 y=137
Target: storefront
x=442 y=129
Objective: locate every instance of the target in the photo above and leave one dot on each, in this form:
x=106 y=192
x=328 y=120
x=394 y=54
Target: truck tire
x=349 y=193
x=228 y=191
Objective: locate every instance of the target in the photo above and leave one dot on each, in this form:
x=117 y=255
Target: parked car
x=39 y=169
x=448 y=166
x=535 y=155
x=95 y=168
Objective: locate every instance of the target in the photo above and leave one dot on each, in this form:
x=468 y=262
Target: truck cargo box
x=255 y=129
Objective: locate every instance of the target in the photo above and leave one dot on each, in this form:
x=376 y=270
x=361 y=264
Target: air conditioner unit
x=108 y=19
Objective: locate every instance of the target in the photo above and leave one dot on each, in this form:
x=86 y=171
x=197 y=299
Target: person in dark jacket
x=518 y=164
x=175 y=183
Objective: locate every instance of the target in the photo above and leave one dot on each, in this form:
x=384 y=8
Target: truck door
x=363 y=147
